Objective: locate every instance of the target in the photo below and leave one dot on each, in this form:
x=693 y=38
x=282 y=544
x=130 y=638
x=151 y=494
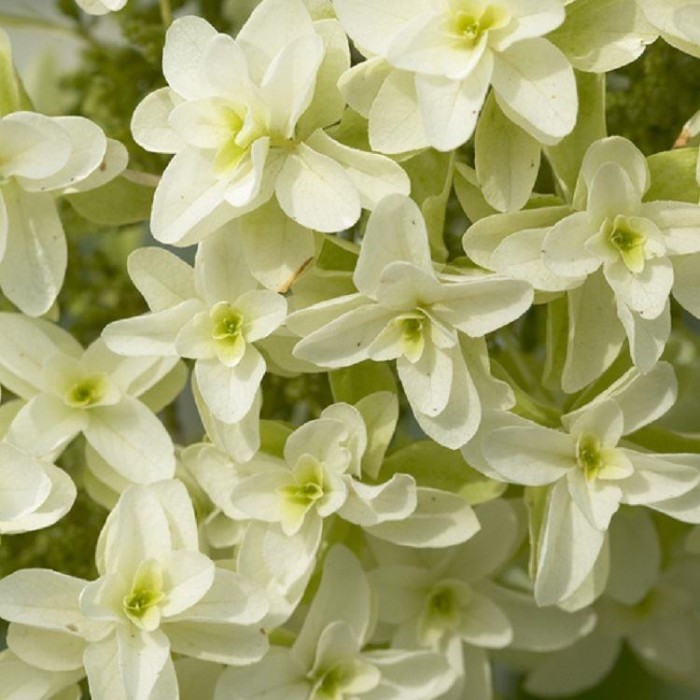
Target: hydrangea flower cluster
x=456 y=494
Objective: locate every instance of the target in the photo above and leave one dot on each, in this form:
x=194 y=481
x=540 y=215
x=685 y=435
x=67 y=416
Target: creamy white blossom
x=41 y=158
x=431 y=62
x=245 y=118
x=101 y=7
x=405 y=311
x=156 y=593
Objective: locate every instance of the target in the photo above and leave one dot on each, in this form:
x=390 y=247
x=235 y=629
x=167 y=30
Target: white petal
x=658 y=479
x=316 y=192
x=188 y=577
x=395 y=232
x=271 y=27
x=229 y=392
x=289 y=82
x=369 y=505
x=132 y=440
x=564 y=249
x=187 y=197
x=646 y=292
x=373 y=23
x=185 y=43
x=532 y=455
x=647 y=337
x=427 y=383
x=535 y=87
x=151 y=333
x=569 y=548
x=597 y=500
x=395 y=119
x=686 y=285
x=34 y=264
x=595 y=333
x=441 y=519
x=374 y=176
x=450 y=108
x=150 y=126
x=163 y=279
x=142 y=658
x=221 y=273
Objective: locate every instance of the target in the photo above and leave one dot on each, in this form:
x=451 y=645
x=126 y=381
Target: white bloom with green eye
x=156 y=594
x=405 y=311
x=450 y=600
x=327 y=661
x=69 y=390
x=431 y=63
x=215 y=314
x=40 y=159
x=591 y=473
x=626 y=254
x=245 y=121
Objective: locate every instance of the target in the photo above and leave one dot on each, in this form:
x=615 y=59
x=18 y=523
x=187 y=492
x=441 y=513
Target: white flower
x=156 y=594
x=591 y=474
x=432 y=62
x=70 y=390
x=326 y=659
x=649 y=609
x=618 y=256
x=214 y=315
x=245 y=118
x=41 y=158
x=447 y=600
x=404 y=311
x=101 y=7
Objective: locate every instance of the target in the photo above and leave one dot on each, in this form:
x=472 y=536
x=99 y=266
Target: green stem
x=166 y=13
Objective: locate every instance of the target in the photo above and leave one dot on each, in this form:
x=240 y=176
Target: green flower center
x=442 y=603
x=141 y=603
x=412 y=328
x=87 y=392
x=629 y=242
x=470 y=20
x=589 y=455
x=304 y=494
x=228 y=323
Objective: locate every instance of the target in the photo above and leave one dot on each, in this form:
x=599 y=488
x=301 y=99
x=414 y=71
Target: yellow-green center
x=629 y=243
x=589 y=455
x=140 y=604
x=87 y=392
x=470 y=20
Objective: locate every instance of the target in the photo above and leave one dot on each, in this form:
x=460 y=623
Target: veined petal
x=372 y=25
x=132 y=440
x=263 y=313
x=441 y=519
x=361 y=84
x=151 y=333
x=271 y=27
x=450 y=108
x=598 y=500
x=395 y=118
x=345 y=340
x=374 y=176
x=34 y=264
x=647 y=337
x=595 y=333
x=187 y=576
x=316 y=191
x=221 y=272
x=150 y=123
x=569 y=548
x=229 y=392
x=163 y=279
x=679 y=222
x=290 y=80
x=390 y=501
x=142 y=659
x=530 y=455
x=535 y=87
x=657 y=479
x=395 y=232
x=427 y=382
x=484 y=624
x=24 y=485
x=187 y=197
x=45 y=424
x=185 y=44
x=564 y=248
x=646 y=292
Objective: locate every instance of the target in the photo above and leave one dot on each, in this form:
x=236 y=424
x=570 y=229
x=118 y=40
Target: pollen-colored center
x=589 y=455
